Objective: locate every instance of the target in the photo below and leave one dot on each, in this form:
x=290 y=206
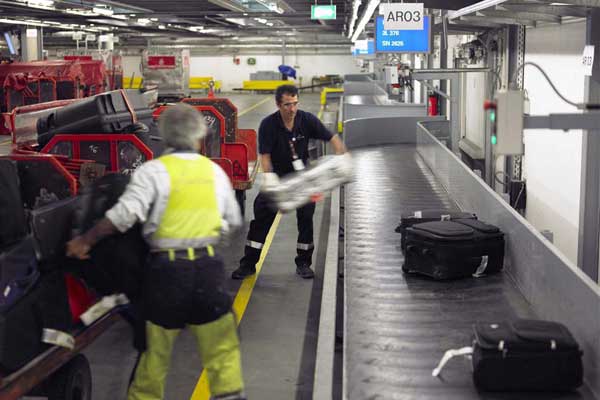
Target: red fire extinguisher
x=433 y=101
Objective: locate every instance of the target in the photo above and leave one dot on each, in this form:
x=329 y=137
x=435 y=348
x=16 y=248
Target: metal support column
x=31 y=44
x=516 y=58
x=589 y=214
x=444 y=61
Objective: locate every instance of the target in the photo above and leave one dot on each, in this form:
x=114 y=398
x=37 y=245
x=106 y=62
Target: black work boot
x=243 y=272
x=304 y=271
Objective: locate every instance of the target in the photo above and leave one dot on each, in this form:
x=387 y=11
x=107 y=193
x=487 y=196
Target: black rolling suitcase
x=418 y=217
x=453 y=249
x=526 y=355
x=522 y=356
x=110 y=112
x=51 y=228
x=30 y=302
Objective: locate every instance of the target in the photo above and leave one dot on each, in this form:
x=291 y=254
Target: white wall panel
x=224 y=69
x=552 y=163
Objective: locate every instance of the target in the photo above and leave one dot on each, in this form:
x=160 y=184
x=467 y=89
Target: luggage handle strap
x=482 y=267
x=128 y=105
x=450 y=354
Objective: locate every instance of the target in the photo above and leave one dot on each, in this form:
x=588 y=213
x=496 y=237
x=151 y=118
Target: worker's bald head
x=182 y=127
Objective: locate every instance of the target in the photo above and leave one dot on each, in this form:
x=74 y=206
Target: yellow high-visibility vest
x=192 y=214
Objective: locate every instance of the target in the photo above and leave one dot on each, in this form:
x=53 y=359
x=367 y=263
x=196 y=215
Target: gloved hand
x=270 y=180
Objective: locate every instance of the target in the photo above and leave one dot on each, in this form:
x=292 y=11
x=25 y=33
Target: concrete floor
x=278 y=330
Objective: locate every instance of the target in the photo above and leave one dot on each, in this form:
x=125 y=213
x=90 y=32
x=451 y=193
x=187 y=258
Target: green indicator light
x=492 y=116
x=494 y=139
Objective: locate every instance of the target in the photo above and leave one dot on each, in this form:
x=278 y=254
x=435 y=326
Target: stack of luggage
x=42 y=293
x=118 y=111
x=33 y=294
x=507 y=356
x=445 y=244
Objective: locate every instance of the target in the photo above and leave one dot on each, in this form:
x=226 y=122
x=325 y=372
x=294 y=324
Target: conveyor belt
x=397 y=327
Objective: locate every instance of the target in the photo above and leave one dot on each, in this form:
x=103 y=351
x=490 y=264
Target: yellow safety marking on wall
x=201 y=392
x=247 y=110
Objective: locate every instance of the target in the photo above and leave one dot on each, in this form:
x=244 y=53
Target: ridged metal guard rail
x=323 y=381
x=555 y=287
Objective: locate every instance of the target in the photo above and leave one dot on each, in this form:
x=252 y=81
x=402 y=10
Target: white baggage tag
x=418 y=214
x=298 y=165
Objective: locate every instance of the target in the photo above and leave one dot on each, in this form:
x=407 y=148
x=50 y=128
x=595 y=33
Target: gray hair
x=182 y=127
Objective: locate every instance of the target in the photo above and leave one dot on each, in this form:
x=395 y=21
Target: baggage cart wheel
x=72 y=382
x=240 y=196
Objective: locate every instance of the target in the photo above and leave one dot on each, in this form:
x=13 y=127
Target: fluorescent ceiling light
x=482 y=5
x=238 y=21
x=43 y=4
x=103 y=11
x=162 y=27
x=366 y=17
x=143 y=21
x=355 y=6
x=79 y=11
x=17 y=22
x=120 y=16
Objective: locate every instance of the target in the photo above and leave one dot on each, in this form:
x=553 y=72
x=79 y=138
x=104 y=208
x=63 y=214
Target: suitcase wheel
x=72 y=382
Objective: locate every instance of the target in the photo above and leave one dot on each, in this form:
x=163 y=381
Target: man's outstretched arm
x=337 y=144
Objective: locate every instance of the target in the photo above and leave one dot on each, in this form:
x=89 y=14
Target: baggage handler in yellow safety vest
x=186 y=204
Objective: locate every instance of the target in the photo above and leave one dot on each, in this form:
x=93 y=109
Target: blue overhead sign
x=364 y=52
x=389 y=41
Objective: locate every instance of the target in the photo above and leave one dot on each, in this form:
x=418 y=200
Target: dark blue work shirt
x=274 y=138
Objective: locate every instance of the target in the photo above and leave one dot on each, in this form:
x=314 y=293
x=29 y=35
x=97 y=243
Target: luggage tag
x=418 y=214
x=298 y=165
x=58 y=338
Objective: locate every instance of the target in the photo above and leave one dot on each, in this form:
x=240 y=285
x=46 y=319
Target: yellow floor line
x=240 y=303
x=263 y=101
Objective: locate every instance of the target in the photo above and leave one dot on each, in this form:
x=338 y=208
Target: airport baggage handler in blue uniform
x=186 y=203
x=283 y=147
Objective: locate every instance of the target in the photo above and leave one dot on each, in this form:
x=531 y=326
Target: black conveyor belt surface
x=397 y=327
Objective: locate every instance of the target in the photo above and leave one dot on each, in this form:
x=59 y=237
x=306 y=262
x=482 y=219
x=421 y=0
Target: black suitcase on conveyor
x=526 y=355
x=30 y=301
x=418 y=217
x=453 y=249
x=110 y=112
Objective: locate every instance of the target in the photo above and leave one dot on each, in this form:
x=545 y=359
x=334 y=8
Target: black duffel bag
x=523 y=356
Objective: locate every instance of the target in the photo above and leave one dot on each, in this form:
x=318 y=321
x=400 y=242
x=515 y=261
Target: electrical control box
x=391 y=74
x=509 y=122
